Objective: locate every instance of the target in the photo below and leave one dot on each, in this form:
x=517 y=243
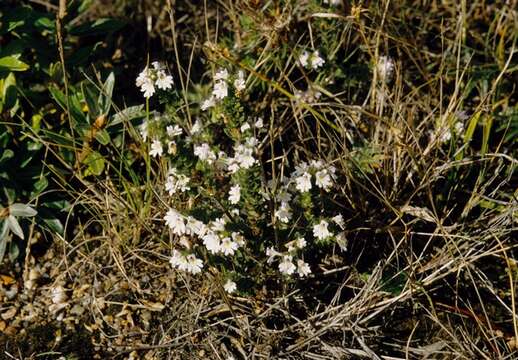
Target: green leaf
x=54 y=225
x=100 y=26
x=14 y=226
x=10 y=63
x=105 y=98
x=40 y=185
x=74 y=105
x=91 y=96
x=130 y=113
x=95 y=164
x=103 y=137
x=6 y=155
x=4 y=232
x=22 y=210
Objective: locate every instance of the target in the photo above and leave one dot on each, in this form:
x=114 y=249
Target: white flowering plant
x=224 y=202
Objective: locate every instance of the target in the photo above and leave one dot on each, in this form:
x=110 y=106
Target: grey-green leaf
x=22 y=210
x=14 y=226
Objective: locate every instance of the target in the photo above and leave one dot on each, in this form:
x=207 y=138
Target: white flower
x=156 y=148
x=218 y=225
x=195 y=226
x=163 y=81
x=204 y=153
x=301 y=243
x=272 y=254
x=177 y=259
x=175 y=221
x=157 y=65
x=315 y=60
x=303 y=182
x=286 y=266
x=283 y=196
x=320 y=230
x=239 y=83
x=208 y=103
x=194 y=264
x=173 y=131
x=445 y=136
x=221 y=74
x=212 y=242
x=143 y=77
x=197 y=126
x=312 y=60
x=323 y=179
x=341 y=240
x=148 y=88
x=234 y=194
x=230 y=286
x=303 y=58
x=143 y=130
x=238 y=238
x=228 y=247
x=459 y=128
x=333 y=2
x=385 y=68
x=283 y=213
x=220 y=90
x=245 y=127
x=303 y=268
x=339 y=220
x=259 y=123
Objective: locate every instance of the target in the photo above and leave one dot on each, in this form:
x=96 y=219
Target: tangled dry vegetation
x=429 y=270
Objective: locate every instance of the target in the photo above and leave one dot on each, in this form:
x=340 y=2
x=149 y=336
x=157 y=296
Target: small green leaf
x=6 y=155
x=130 y=113
x=103 y=137
x=54 y=225
x=10 y=63
x=4 y=237
x=95 y=164
x=40 y=185
x=22 y=210
x=105 y=98
x=14 y=226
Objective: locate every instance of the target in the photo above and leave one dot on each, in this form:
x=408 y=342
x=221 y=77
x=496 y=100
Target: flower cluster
x=222 y=80
x=311 y=60
x=287 y=265
x=155 y=77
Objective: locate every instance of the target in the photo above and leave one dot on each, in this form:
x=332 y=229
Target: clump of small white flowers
x=156 y=148
x=286 y=266
x=154 y=76
x=243 y=156
x=234 y=194
x=320 y=230
x=204 y=153
x=311 y=60
x=309 y=96
x=385 y=68
x=230 y=286
x=297 y=244
x=303 y=268
x=220 y=90
x=189 y=263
